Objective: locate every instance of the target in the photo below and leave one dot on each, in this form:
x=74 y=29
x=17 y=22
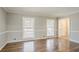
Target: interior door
x=63 y=33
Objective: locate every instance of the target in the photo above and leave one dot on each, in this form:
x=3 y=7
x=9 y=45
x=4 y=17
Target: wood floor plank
x=36 y=46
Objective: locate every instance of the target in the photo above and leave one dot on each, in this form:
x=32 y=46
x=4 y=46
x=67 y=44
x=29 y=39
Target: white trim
x=13 y=31
x=74 y=31
x=30 y=39
x=74 y=41
x=3 y=46
x=16 y=41
x=19 y=40
x=1 y=33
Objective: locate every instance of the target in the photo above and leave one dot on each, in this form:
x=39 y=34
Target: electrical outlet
x=14 y=39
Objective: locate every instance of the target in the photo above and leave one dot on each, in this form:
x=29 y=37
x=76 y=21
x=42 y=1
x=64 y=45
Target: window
x=50 y=27
x=28 y=27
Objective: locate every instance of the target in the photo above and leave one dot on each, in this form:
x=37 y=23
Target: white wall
x=3 y=39
x=74 y=30
x=14 y=22
x=14 y=27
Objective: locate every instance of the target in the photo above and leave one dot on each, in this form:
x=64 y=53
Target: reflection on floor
x=48 y=45
x=74 y=47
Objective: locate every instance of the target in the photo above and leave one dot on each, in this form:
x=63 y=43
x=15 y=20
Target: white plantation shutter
x=28 y=27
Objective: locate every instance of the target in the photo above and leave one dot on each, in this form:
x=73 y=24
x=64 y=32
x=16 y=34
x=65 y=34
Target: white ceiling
x=43 y=11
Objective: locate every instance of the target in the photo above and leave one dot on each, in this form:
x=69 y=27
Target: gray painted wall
x=3 y=39
x=74 y=27
x=15 y=27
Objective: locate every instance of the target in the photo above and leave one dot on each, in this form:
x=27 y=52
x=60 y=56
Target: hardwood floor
x=42 y=45
x=74 y=47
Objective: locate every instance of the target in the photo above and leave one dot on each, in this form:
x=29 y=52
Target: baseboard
x=16 y=41
x=12 y=41
x=3 y=46
x=74 y=41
